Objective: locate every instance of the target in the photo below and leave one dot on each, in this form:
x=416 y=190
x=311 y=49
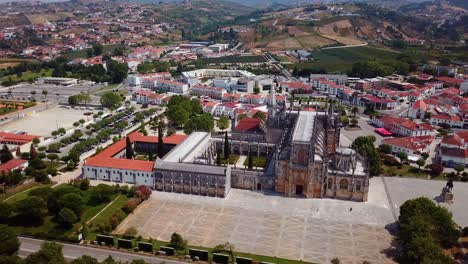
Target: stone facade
x=195 y=179
x=311 y=164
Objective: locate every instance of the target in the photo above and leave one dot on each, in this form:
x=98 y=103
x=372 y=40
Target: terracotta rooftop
x=10 y=137
x=248 y=124
x=11 y=164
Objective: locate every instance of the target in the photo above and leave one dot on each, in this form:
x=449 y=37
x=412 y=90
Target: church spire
x=272 y=103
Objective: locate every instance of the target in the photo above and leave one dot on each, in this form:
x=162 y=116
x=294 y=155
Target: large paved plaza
x=44 y=122
x=314 y=230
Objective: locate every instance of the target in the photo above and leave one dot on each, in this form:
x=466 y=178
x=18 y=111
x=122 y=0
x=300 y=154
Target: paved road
x=347 y=46
x=72 y=251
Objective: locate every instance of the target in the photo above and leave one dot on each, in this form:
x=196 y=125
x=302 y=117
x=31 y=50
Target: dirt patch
x=341 y=31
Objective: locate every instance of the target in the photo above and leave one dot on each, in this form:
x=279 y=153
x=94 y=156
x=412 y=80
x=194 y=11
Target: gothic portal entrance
x=299 y=189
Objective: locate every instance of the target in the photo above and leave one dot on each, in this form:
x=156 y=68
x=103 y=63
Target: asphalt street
x=73 y=251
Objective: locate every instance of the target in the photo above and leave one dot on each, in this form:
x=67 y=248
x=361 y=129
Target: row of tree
x=49 y=252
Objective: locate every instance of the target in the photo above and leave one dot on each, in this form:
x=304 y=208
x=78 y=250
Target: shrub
x=42 y=148
x=436 y=169
x=131 y=205
x=177 y=242
x=130 y=232
x=390 y=160
x=464 y=179
x=143 y=192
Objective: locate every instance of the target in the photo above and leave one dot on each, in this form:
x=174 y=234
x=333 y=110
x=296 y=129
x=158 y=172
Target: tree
x=227 y=149
x=402 y=156
x=459 y=168
x=129 y=149
x=364 y=145
x=85 y=260
x=31 y=209
x=73 y=202
x=354 y=110
x=222 y=123
x=423 y=228
x=385 y=148
x=50 y=252
x=5 y=154
x=420 y=162
x=6 y=210
x=36 y=141
x=10 y=243
x=66 y=218
x=32 y=152
x=354 y=122
x=97 y=49
x=160 y=139
x=111 y=100
x=177 y=242
x=117 y=71
x=424 y=156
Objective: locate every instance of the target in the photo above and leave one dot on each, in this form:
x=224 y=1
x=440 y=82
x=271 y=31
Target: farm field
x=12 y=62
x=341 y=60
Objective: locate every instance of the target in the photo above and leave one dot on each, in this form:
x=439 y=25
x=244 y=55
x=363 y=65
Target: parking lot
x=44 y=122
x=55 y=93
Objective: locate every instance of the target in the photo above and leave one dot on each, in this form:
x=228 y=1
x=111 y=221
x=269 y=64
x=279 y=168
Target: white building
x=171 y=86
x=213 y=92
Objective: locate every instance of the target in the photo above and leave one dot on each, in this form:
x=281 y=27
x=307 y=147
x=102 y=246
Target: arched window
x=330 y=183
x=358 y=185
x=344 y=184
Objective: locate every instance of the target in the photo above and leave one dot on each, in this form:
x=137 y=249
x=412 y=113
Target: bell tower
x=332 y=129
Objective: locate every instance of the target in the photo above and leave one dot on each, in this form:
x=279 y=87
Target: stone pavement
x=314 y=230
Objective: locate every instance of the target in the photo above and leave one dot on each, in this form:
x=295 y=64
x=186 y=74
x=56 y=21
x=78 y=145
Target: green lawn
x=257 y=162
x=83 y=54
x=105 y=215
x=18 y=189
x=231 y=160
x=404 y=171
x=27 y=76
x=341 y=60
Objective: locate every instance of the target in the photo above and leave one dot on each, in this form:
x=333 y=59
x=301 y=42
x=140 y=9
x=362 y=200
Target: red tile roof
x=449 y=80
x=125 y=164
x=420 y=105
x=105 y=157
x=12 y=164
x=10 y=137
x=248 y=124
x=413 y=143
x=454 y=152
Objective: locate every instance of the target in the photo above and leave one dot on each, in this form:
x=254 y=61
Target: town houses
x=403 y=127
